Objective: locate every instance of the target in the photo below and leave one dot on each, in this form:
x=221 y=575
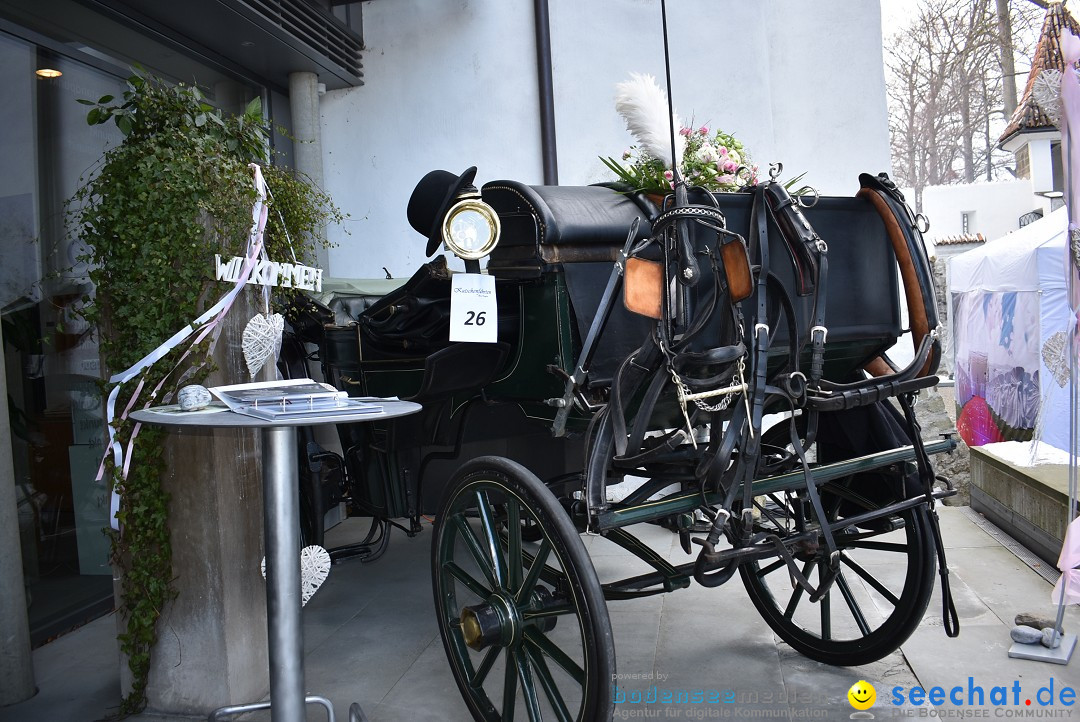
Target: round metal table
x=281 y=538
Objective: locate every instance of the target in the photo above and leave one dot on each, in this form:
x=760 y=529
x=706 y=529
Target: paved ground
x=371 y=636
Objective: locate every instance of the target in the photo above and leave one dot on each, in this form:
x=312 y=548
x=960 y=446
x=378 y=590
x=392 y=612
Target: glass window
x=47 y=150
x=51 y=360
x=52 y=364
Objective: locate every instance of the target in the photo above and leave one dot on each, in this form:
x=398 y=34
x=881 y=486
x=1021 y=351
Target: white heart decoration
x=1055 y=355
x=262 y=339
x=1046 y=91
x=314 y=569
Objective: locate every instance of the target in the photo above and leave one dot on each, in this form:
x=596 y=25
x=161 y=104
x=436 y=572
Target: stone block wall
x=1030 y=503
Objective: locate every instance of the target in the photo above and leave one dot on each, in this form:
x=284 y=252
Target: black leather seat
x=559 y=224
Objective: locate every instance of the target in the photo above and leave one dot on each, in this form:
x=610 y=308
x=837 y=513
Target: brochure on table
x=290 y=399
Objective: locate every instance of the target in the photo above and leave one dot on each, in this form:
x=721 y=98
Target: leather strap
x=950 y=619
x=802 y=241
x=759 y=228
x=918 y=314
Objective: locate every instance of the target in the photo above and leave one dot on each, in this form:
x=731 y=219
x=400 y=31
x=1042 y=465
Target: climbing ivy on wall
x=159 y=205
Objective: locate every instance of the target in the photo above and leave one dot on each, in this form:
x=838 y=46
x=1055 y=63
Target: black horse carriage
x=737 y=392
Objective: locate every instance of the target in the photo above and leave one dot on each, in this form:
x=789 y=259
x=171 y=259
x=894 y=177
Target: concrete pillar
x=307 y=131
x=16 y=669
x=308 y=159
x=212 y=638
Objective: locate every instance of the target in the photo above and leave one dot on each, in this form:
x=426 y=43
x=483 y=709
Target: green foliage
x=176 y=191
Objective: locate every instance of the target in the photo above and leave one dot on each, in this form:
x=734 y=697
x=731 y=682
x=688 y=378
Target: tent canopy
x=1010 y=318
x=1030 y=259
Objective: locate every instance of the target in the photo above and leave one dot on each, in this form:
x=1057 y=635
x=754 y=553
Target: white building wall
x=453 y=84
x=993 y=209
x=1042 y=169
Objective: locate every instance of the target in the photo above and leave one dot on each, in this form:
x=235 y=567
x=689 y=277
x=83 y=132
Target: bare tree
x=1008 y=65
x=947 y=89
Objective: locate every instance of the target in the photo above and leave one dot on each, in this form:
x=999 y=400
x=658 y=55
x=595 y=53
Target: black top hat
x=432 y=198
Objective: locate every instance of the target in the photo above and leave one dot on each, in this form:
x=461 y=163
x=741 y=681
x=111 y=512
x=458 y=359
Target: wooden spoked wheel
x=524 y=623
x=879 y=596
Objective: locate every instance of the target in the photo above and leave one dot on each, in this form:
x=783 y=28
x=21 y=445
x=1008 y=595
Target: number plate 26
x=474 y=312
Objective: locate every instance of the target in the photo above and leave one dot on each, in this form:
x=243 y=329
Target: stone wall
x=932 y=411
x=1031 y=503
x=941 y=289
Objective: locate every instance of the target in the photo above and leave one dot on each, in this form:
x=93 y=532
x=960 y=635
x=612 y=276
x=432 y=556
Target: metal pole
x=675 y=160
x=1074 y=392
x=547 y=93
x=16 y=670
x=1074 y=416
x=283 y=607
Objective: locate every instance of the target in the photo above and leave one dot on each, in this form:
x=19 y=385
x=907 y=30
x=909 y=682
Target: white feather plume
x=644 y=106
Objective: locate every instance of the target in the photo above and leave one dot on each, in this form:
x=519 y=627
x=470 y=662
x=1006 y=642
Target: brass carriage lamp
x=449 y=210
x=471 y=227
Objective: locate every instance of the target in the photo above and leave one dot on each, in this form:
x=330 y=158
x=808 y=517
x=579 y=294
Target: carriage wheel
x=883 y=587
x=524 y=624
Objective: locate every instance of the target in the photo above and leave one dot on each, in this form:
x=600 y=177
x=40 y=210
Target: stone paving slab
x=371 y=637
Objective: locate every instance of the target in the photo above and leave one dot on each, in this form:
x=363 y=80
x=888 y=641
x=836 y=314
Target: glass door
x=51 y=358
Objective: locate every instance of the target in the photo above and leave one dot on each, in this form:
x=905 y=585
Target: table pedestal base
x=355 y=713
x=253 y=706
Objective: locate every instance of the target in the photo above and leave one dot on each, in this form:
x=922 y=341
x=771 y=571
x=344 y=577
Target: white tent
x=1010 y=320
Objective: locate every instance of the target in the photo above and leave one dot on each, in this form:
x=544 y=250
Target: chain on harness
x=732 y=249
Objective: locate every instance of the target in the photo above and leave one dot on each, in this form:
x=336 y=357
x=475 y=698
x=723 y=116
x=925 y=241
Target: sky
x=897 y=13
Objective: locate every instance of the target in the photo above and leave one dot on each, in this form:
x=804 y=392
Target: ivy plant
x=174 y=192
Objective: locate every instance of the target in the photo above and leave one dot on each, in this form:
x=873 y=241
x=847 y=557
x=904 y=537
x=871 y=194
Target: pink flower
x=685 y=131
x=730 y=166
x=626 y=155
x=723 y=150
x=726 y=180
x=704 y=130
x=668 y=175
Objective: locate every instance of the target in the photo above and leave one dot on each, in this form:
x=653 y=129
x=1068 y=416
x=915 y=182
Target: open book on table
x=290 y=399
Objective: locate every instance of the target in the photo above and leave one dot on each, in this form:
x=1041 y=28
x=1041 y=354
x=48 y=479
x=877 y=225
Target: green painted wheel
x=524 y=623
x=882 y=590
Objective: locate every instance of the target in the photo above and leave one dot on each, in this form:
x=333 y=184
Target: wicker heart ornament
x=262 y=339
x=314 y=569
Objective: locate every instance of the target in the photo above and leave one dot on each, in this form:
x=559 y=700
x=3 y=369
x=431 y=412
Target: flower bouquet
x=713 y=160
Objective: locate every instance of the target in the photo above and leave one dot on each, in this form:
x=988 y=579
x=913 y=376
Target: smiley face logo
x=862 y=695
